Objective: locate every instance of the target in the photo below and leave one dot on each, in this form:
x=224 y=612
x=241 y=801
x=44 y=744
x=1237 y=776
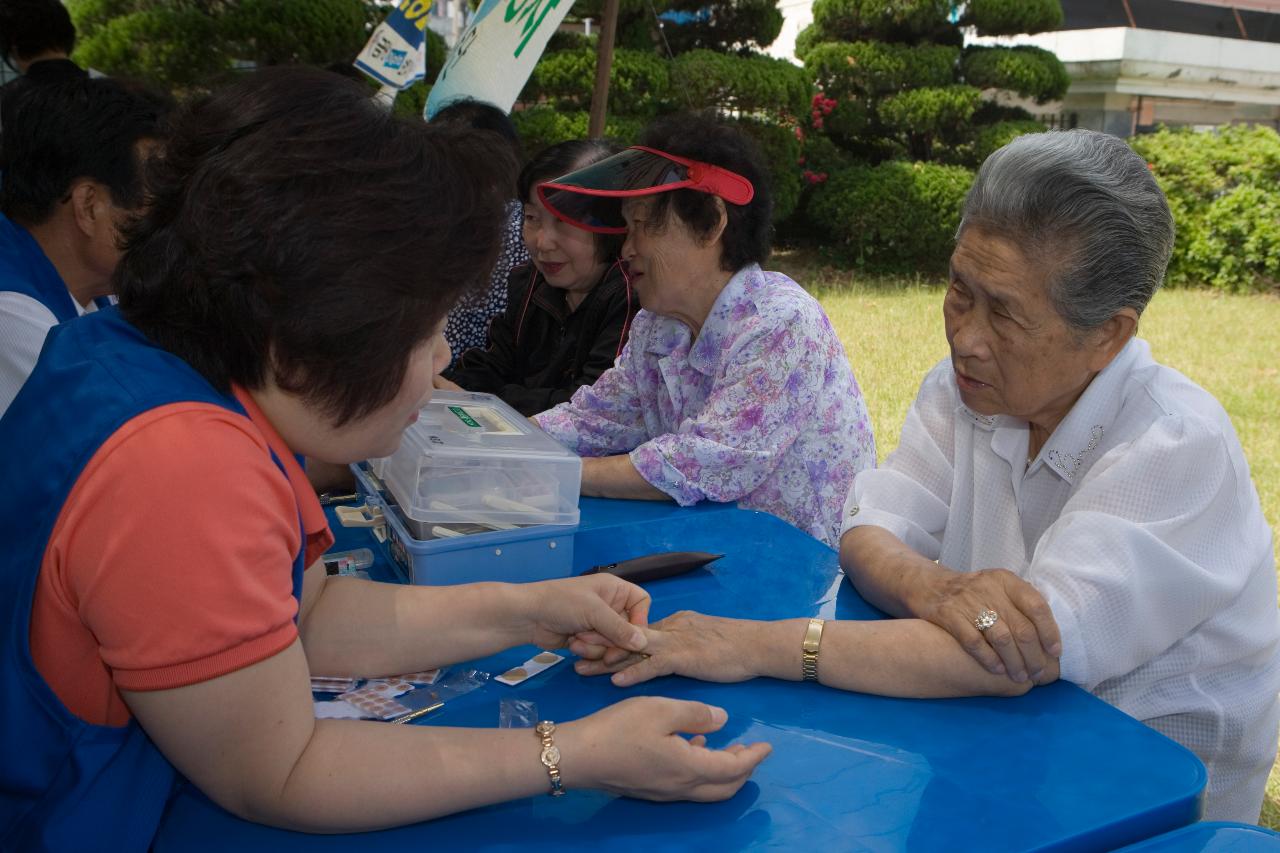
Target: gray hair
x=1087 y=208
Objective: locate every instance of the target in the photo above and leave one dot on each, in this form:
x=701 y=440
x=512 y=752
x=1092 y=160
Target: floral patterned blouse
x=761 y=408
x=468 y=323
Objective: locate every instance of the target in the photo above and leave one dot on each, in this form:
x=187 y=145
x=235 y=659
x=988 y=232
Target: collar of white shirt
x=1080 y=431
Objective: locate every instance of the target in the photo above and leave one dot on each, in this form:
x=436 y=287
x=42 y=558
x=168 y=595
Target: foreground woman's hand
x=600 y=605
x=636 y=749
x=709 y=648
x=1025 y=635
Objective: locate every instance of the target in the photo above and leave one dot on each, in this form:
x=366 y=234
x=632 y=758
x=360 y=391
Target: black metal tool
x=652 y=567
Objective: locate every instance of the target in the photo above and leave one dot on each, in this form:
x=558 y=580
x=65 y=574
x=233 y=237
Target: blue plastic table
x=1055 y=769
x=1212 y=837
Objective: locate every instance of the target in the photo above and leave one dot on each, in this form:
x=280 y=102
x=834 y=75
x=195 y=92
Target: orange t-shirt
x=171 y=561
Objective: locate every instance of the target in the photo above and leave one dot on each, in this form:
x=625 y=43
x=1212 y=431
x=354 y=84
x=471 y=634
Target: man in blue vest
x=72 y=160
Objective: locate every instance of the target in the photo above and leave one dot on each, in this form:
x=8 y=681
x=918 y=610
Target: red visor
x=591 y=198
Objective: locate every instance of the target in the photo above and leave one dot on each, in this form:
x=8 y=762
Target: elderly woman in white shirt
x=1060 y=504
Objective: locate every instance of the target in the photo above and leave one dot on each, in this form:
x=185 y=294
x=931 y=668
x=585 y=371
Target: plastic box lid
x=471 y=458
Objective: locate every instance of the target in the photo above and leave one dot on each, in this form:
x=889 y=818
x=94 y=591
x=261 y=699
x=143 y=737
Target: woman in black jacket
x=567 y=312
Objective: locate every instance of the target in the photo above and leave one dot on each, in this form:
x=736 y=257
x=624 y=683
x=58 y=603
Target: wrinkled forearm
x=887 y=573
x=907 y=658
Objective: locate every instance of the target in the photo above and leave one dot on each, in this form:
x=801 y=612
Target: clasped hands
x=636 y=747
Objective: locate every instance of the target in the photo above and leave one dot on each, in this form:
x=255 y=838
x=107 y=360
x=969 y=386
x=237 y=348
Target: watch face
x=551 y=756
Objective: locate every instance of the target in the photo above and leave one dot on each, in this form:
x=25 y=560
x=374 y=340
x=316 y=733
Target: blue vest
x=66 y=784
x=25 y=269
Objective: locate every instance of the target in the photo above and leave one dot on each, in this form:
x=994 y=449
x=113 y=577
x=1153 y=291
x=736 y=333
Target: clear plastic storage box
x=477 y=492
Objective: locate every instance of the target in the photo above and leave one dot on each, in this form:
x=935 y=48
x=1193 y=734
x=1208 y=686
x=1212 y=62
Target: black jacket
x=47 y=72
x=539 y=353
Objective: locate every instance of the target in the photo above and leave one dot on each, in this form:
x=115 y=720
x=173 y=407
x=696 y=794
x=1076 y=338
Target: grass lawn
x=892 y=332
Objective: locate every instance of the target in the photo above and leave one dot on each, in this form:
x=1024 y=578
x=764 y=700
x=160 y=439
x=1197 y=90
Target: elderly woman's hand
x=709 y=648
x=1024 y=634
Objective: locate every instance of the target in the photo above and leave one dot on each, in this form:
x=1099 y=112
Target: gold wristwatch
x=550 y=755
x=812 y=639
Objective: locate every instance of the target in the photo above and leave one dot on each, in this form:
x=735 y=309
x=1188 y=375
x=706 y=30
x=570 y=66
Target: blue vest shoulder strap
x=25 y=269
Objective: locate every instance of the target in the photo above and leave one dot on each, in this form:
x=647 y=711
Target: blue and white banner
x=395 y=55
x=496 y=53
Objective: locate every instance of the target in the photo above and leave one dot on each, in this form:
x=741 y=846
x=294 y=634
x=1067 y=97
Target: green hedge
x=1030 y=71
x=1013 y=17
x=894 y=217
x=879 y=68
x=1223 y=187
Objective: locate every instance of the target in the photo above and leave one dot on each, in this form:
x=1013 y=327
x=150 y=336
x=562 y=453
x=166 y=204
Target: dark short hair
x=300 y=232
x=480 y=115
x=561 y=159
x=32 y=27
x=748 y=234
x=81 y=128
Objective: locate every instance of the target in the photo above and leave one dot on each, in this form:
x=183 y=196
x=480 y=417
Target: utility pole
x=604 y=63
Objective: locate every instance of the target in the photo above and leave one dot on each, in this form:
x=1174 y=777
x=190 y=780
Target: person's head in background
x=569 y=258
x=33 y=31
x=481 y=115
x=72 y=161
x=287 y=250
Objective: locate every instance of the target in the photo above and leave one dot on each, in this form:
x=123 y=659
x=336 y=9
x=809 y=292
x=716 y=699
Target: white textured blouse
x=1139 y=524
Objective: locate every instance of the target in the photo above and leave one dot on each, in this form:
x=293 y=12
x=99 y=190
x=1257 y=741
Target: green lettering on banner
x=528 y=10
x=462 y=415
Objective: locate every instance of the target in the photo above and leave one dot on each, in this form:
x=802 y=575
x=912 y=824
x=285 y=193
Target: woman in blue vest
x=284 y=295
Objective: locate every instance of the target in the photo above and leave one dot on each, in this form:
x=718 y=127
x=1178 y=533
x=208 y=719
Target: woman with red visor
x=567 y=310
x=733 y=385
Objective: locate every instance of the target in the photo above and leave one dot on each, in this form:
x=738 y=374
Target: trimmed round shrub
x=894 y=217
x=637 y=82
x=544 y=125
x=1030 y=71
x=1013 y=17
x=993 y=137
x=173 y=48
x=782 y=154
x=879 y=68
x=752 y=23
x=806 y=40
x=848 y=122
x=884 y=20
x=929 y=111
x=747 y=84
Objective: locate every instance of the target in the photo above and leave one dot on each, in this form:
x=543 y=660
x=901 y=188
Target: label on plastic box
x=462 y=415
